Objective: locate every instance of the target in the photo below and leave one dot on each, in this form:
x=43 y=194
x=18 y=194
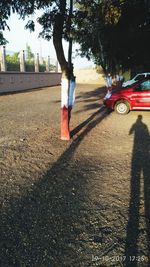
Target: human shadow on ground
x=140 y=169
x=44 y=226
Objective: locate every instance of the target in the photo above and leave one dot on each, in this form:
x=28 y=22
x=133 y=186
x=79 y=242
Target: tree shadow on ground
x=87 y=121
x=90 y=99
x=43 y=227
x=100 y=91
x=140 y=170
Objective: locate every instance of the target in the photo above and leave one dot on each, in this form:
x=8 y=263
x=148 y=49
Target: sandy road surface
x=85 y=202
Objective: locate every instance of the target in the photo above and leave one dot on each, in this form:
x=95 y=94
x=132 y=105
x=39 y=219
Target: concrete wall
x=18 y=81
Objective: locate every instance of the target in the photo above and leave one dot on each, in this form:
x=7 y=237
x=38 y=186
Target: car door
x=141 y=95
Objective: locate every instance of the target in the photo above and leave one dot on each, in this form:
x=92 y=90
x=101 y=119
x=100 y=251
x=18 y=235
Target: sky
x=18 y=37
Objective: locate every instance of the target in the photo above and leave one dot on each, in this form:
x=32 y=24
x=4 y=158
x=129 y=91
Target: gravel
x=85 y=202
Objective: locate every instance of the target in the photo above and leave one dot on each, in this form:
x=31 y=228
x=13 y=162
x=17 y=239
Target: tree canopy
x=114 y=33
x=53 y=20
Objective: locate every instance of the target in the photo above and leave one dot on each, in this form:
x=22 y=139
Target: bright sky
x=18 y=37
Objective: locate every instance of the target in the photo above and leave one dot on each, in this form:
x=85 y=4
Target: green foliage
x=29 y=54
x=13 y=58
x=116 y=33
x=54 y=21
x=12 y=66
x=113 y=33
x=3 y=41
x=12 y=62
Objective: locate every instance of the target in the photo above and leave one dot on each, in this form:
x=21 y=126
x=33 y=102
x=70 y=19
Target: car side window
x=145 y=85
x=139 y=77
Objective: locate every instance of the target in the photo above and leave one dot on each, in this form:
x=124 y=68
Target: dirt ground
x=85 y=202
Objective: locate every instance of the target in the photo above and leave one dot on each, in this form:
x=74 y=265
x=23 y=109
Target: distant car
x=133 y=97
x=138 y=77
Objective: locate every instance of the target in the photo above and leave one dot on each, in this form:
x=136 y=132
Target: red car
x=132 y=97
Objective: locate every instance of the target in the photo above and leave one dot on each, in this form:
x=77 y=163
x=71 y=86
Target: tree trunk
x=67 y=73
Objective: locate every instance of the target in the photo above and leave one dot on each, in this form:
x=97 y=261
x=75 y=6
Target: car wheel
x=122 y=107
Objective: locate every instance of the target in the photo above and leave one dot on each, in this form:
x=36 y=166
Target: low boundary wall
x=19 y=81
